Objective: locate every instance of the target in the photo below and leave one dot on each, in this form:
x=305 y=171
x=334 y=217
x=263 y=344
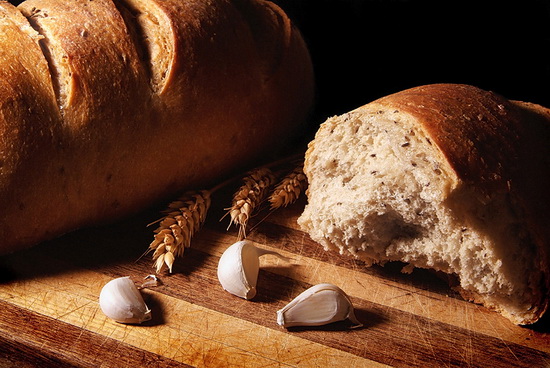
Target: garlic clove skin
x=319 y=305
x=239 y=266
x=121 y=301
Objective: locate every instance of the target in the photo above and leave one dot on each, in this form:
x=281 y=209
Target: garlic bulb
x=239 y=266
x=319 y=305
x=121 y=300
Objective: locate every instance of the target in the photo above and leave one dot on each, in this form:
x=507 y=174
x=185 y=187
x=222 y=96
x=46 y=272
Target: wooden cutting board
x=49 y=312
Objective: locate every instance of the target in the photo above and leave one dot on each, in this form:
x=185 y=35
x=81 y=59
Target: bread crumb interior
x=382 y=191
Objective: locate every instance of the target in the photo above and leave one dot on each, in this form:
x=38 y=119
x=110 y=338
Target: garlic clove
x=121 y=301
x=319 y=305
x=239 y=266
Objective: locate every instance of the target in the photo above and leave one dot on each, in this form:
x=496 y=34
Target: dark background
x=363 y=50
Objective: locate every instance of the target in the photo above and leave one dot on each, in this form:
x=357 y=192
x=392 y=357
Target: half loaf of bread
x=445 y=177
x=108 y=106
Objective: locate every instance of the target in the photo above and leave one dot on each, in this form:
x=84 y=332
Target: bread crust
x=115 y=144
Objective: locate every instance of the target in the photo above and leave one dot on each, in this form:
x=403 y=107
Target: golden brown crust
x=116 y=144
x=29 y=125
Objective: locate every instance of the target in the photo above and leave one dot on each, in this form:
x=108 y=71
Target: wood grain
x=50 y=315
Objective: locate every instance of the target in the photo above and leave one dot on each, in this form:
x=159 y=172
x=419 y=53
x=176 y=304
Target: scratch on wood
x=71 y=311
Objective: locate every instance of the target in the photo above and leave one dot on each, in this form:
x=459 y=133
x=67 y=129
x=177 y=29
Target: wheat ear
x=249 y=196
x=289 y=188
x=183 y=218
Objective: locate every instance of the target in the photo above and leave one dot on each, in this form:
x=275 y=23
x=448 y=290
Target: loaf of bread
x=108 y=106
x=445 y=177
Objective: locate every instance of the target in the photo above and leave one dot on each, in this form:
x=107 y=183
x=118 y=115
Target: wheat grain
x=289 y=188
x=182 y=219
x=249 y=196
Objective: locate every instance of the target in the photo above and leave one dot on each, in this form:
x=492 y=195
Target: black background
x=363 y=50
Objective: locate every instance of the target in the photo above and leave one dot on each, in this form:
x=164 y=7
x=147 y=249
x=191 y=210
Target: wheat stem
x=185 y=216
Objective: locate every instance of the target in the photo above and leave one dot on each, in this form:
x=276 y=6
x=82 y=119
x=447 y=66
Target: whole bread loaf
x=107 y=106
x=446 y=177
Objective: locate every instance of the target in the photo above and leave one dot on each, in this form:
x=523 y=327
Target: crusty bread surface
x=446 y=177
x=109 y=106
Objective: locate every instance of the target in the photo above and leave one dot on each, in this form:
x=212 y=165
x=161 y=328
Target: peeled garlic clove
x=121 y=301
x=319 y=305
x=239 y=266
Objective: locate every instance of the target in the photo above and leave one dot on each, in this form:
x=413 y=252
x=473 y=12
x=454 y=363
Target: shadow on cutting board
x=90 y=248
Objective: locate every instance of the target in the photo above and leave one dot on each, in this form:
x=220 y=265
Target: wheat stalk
x=182 y=219
x=185 y=216
x=249 y=196
x=289 y=188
